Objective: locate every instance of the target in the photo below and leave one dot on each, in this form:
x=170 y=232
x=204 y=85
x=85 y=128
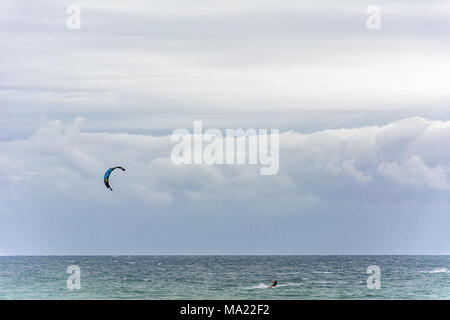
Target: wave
x=438 y=270
x=289 y=284
x=265 y=286
x=288 y=273
x=259 y=286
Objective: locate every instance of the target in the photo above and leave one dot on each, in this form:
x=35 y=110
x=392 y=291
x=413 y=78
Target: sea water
x=224 y=277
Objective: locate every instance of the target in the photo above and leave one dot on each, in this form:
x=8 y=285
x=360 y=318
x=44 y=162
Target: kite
x=108 y=173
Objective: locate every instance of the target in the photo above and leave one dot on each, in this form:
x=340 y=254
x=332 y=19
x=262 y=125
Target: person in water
x=274 y=284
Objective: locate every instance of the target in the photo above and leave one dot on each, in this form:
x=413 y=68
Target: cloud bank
x=52 y=188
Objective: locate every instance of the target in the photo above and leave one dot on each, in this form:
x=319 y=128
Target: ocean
x=224 y=277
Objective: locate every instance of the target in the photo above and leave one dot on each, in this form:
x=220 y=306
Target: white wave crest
x=259 y=286
x=438 y=270
x=265 y=286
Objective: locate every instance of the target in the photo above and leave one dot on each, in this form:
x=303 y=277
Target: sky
x=364 y=120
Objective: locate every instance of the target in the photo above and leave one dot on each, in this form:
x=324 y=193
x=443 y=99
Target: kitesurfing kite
x=108 y=173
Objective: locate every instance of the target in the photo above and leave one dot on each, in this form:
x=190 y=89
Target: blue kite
x=107 y=174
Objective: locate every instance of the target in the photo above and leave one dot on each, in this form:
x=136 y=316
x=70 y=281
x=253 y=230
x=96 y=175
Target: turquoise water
x=225 y=277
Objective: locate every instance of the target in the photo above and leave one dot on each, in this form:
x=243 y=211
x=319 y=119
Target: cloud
x=66 y=159
x=137 y=70
x=133 y=65
x=416 y=173
x=52 y=191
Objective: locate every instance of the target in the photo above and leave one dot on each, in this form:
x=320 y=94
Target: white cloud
x=416 y=173
x=134 y=65
x=52 y=188
x=65 y=159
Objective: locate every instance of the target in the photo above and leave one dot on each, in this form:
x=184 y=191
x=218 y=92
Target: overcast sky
x=364 y=116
